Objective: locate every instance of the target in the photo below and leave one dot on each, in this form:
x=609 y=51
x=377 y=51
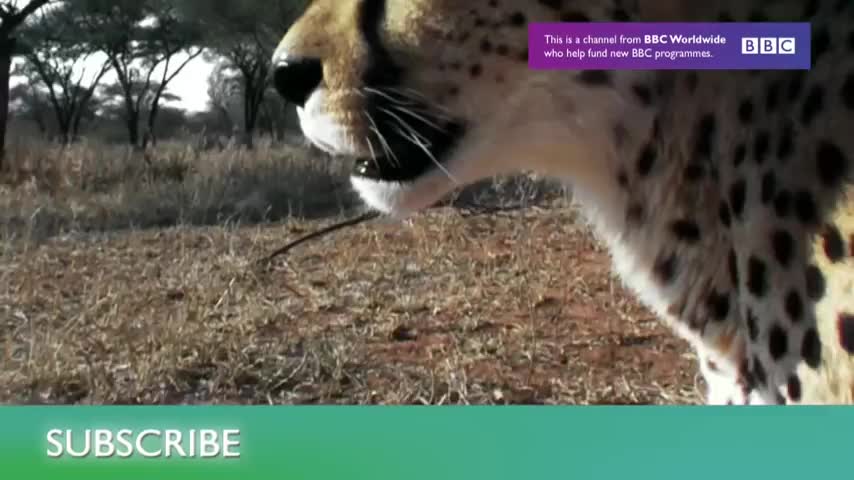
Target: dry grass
x=515 y=307
x=49 y=190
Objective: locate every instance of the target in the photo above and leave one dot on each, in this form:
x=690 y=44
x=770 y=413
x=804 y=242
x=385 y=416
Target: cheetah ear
x=672 y=10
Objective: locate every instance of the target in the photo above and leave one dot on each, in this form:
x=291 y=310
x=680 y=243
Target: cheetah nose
x=295 y=78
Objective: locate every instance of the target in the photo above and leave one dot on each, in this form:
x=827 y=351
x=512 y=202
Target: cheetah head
x=431 y=95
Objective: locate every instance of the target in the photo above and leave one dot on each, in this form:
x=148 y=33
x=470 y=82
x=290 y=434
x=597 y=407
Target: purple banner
x=669 y=46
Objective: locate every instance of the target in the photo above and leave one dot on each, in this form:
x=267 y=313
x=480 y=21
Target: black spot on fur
x=793 y=388
x=757 y=277
x=705 y=135
x=713 y=366
x=810 y=9
x=646 y=160
x=831 y=163
x=635 y=214
x=778 y=343
x=805 y=207
x=783 y=204
x=846 y=332
x=686 y=231
x=820 y=43
x=745 y=111
x=718 y=304
x=694 y=172
x=783 y=244
x=834 y=245
x=811 y=349
x=794 y=306
x=623 y=179
x=518 y=19
x=738 y=197
x=665 y=269
x=574 y=16
x=816 y=285
x=643 y=94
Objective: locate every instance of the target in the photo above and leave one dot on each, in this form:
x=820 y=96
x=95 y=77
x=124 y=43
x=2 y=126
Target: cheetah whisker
x=386 y=147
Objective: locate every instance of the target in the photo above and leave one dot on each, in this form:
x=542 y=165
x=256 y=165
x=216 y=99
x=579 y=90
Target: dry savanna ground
x=134 y=280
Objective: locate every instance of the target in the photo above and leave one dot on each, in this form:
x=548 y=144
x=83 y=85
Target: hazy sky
x=192 y=85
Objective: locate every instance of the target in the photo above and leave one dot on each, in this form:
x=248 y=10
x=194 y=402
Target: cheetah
x=725 y=198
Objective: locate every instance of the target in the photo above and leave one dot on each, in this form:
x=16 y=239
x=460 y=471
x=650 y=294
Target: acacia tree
x=243 y=35
x=12 y=17
x=251 y=62
x=56 y=54
x=223 y=89
x=112 y=97
x=147 y=45
x=166 y=40
x=113 y=27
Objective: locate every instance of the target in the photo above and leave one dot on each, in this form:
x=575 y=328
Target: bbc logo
x=768 y=46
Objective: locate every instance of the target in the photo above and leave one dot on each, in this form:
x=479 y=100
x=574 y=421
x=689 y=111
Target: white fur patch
x=401 y=199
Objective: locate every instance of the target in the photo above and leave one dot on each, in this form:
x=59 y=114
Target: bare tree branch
x=12 y=18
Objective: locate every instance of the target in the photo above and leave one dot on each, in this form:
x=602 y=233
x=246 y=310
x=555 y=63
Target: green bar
x=437 y=443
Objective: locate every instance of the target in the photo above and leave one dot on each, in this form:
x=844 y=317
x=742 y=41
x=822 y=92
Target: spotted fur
x=726 y=198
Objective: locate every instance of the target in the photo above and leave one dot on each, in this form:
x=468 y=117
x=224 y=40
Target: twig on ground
x=466 y=208
x=320 y=233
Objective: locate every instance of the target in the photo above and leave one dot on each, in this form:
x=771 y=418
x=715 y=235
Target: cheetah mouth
x=404 y=155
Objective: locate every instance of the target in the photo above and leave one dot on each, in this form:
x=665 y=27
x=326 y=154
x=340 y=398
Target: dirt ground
x=509 y=308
